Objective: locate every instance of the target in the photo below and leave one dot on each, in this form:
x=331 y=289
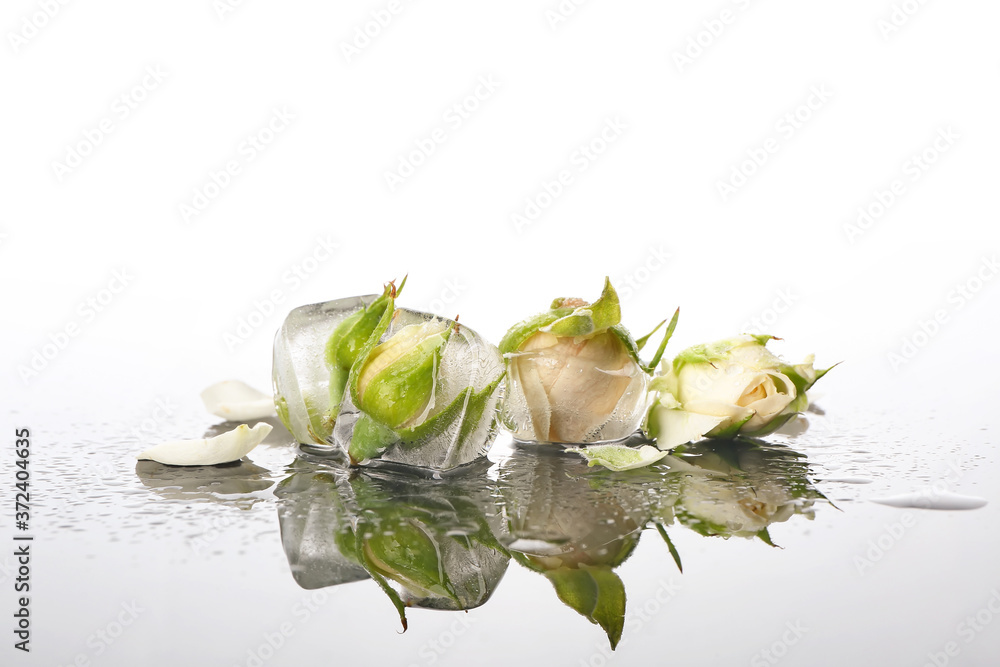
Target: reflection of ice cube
x=300 y=373
x=315 y=529
x=553 y=395
x=339 y=526
x=468 y=362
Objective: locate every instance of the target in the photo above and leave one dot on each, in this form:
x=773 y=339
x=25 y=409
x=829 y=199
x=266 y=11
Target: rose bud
x=574 y=373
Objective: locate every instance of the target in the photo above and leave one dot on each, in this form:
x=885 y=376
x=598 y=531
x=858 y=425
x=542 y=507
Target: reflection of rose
x=740 y=488
x=728 y=508
x=574 y=385
x=733 y=386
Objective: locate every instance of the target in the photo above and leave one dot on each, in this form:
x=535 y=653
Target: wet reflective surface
x=754 y=552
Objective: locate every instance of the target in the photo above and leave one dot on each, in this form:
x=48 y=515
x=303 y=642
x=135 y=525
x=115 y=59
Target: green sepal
x=373 y=340
x=522 y=331
x=338 y=385
x=670 y=545
x=586 y=320
x=709 y=353
x=373 y=571
x=440 y=421
x=369 y=439
x=281 y=407
x=732 y=430
x=641 y=342
x=765 y=537
x=775 y=423
x=610 y=610
x=414 y=557
x=655 y=361
x=596 y=593
x=622 y=334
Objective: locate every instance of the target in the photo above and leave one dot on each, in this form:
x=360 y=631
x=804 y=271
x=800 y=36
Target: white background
x=779 y=242
x=654 y=190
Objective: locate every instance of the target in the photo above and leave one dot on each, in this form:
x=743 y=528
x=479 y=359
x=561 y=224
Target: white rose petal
x=679 y=427
x=225 y=448
x=237 y=401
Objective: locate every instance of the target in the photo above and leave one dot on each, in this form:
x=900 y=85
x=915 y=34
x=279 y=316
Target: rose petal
x=226 y=448
x=237 y=401
x=678 y=427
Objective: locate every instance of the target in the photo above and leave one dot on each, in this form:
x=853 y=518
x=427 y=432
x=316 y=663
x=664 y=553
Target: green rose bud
x=349 y=338
x=396 y=382
x=727 y=388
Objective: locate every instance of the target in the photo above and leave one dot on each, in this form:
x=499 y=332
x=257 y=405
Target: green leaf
x=670 y=545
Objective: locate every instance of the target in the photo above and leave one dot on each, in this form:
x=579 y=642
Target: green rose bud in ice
x=349 y=337
x=395 y=385
x=727 y=388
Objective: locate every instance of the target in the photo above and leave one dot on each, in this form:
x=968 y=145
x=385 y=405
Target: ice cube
x=455 y=427
x=300 y=372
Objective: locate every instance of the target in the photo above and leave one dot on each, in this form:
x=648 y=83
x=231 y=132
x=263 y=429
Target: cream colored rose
x=734 y=386
x=573 y=386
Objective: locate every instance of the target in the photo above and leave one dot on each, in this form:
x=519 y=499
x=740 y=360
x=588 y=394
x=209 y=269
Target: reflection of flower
x=730 y=387
x=739 y=488
x=426 y=544
x=575 y=529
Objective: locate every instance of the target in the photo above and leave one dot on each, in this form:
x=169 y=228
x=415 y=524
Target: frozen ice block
x=422 y=391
